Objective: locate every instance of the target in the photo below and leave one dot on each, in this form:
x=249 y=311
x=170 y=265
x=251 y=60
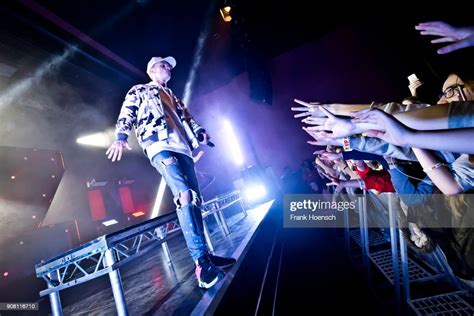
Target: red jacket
x=376 y=180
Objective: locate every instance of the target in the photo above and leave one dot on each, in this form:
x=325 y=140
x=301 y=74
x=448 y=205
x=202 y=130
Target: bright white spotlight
x=255 y=192
x=109 y=223
x=233 y=142
x=97 y=140
x=159 y=198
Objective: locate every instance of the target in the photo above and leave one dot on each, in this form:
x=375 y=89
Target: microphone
x=201 y=138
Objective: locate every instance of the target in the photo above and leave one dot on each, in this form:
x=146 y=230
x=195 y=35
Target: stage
x=153 y=286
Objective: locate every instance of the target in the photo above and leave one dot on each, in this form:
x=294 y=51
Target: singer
x=168 y=133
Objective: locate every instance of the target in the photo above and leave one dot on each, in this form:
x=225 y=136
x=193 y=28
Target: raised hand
x=386 y=127
x=329 y=156
x=461 y=37
x=116 y=149
x=340 y=127
x=322 y=138
x=414 y=85
x=340 y=184
x=308 y=109
x=327 y=166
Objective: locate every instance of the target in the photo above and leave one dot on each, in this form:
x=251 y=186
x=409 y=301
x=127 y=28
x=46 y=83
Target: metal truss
x=215 y=207
x=221 y=202
x=104 y=255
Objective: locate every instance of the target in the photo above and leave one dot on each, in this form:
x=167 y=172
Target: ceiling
x=114 y=39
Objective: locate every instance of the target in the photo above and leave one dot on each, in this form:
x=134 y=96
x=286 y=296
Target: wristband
x=346 y=144
x=433 y=167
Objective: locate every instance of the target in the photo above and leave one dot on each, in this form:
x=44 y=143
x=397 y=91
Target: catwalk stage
x=159 y=281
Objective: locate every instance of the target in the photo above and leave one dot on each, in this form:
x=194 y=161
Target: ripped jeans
x=178 y=171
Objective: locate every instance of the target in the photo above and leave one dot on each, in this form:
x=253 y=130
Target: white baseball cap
x=154 y=60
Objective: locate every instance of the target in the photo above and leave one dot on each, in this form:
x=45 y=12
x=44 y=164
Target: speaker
x=260 y=84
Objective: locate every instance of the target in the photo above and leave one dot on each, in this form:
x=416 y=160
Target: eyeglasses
x=451 y=91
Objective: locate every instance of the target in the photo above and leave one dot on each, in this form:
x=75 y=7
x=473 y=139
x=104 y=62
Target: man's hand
x=461 y=36
x=198 y=156
x=115 y=150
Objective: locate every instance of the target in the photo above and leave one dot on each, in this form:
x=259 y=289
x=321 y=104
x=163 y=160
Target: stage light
x=225 y=13
x=13 y=177
x=233 y=142
x=97 y=140
x=110 y=223
x=255 y=192
x=159 y=198
x=138 y=214
x=5 y=274
x=44 y=194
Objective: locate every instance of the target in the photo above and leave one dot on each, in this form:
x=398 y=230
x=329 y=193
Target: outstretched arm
x=390 y=129
x=440 y=116
x=123 y=128
x=312 y=108
x=337 y=125
x=452 y=140
x=429 y=118
x=342 y=184
x=461 y=36
x=441 y=176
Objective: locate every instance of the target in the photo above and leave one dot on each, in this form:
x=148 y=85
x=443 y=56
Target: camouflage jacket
x=143 y=109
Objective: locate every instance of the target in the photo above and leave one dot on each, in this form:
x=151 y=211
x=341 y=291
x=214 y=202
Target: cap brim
x=170 y=60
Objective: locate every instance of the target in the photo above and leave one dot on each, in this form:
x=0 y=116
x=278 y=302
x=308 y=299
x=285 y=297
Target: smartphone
x=412 y=78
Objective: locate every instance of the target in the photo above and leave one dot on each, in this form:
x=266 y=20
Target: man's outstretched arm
x=123 y=128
